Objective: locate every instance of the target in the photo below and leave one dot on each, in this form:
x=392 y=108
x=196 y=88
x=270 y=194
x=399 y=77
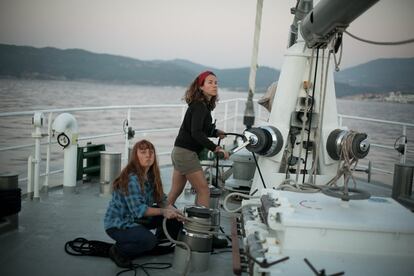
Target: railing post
x=37 y=121
x=126 y=150
x=30 y=176
x=226 y=107
x=404 y=155
x=49 y=142
x=340 y=120
x=236 y=111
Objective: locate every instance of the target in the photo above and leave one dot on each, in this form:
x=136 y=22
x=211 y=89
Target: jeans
x=134 y=241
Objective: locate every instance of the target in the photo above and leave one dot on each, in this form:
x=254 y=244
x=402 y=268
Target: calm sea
x=25 y=95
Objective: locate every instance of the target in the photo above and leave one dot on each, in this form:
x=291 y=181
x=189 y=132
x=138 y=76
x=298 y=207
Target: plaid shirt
x=124 y=210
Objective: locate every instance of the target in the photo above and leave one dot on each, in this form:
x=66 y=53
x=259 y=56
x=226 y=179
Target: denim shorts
x=185 y=161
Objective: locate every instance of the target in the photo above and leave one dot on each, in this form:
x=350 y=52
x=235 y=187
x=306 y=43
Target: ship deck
x=45 y=225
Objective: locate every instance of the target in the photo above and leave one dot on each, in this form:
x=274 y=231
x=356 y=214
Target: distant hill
x=378 y=76
x=75 y=64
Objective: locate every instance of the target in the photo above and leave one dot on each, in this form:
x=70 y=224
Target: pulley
x=354 y=144
x=265 y=140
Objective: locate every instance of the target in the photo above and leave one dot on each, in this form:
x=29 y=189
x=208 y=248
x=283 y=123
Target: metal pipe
x=66 y=123
x=404 y=155
x=29 y=175
x=329 y=17
x=49 y=142
x=226 y=107
x=303 y=7
x=248 y=119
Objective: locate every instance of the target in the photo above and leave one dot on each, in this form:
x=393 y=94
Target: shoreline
x=390 y=97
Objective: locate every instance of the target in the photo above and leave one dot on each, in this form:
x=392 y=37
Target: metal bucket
x=403 y=180
x=215 y=194
x=110 y=169
x=243 y=165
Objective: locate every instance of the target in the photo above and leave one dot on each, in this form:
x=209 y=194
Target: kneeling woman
x=131 y=215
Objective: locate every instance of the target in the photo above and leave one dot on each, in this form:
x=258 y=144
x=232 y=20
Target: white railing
x=49 y=114
x=226 y=117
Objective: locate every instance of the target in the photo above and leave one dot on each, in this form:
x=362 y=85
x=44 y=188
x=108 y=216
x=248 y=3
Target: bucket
x=243 y=165
x=215 y=194
x=403 y=180
x=110 y=169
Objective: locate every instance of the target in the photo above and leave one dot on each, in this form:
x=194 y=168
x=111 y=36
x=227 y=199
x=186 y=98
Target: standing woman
x=131 y=215
x=195 y=129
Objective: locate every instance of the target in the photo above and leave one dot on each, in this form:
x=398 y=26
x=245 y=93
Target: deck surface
x=37 y=246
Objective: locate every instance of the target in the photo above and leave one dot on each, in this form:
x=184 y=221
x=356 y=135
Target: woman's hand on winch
x=170 y=212
x=221 y=153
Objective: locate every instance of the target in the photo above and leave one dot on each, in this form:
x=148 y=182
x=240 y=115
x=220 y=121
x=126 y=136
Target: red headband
x=203 y=76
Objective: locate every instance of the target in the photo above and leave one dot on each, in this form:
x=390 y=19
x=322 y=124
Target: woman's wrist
x=161 y=211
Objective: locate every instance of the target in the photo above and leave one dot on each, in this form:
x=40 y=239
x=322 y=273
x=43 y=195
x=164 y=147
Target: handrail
x=375 y=120
x=223 y=120
x=90 y=108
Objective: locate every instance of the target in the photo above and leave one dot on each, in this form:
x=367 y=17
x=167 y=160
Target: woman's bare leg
x=177 y=186
x=199 y=183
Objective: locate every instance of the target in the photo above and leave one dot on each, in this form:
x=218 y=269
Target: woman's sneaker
x=120 y=259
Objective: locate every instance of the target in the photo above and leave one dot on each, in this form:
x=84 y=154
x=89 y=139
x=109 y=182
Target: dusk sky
x=216 y=33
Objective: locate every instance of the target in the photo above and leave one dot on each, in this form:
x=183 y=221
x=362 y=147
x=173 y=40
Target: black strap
x=84 y=247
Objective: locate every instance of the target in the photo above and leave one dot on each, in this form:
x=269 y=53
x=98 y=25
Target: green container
x=92 y=154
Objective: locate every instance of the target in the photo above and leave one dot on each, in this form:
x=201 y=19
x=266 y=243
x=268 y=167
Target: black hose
x=258 y=168
x=217 y=165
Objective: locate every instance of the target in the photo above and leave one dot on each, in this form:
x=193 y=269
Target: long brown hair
x=134 y=167
x=194 y=93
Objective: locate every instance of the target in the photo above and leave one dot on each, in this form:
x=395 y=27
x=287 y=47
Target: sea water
x=29 y=95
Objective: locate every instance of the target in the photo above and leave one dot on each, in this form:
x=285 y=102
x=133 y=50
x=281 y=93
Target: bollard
x=110 y=169
x=11 y=199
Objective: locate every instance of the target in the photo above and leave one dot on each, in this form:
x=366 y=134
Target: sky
x=215 y=33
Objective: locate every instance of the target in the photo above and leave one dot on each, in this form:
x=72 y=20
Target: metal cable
x=311 y=115
x=305 y=117
x=322 y=99
x=385 y=43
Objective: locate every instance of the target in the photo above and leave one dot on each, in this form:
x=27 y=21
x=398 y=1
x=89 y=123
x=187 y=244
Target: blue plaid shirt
x=124 y=210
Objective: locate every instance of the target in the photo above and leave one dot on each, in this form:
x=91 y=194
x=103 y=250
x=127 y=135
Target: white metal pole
x=404 y=155
x=30 y=175
x=49 y=143
x=226 y=107
x=126 y=150
x=236 y=111
x=36 y=167
x=66 y=124
x=37 y=121
x=248 y=119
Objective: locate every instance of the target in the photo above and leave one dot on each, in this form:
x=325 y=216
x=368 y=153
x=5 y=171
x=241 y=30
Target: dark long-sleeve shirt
x=197 y=126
